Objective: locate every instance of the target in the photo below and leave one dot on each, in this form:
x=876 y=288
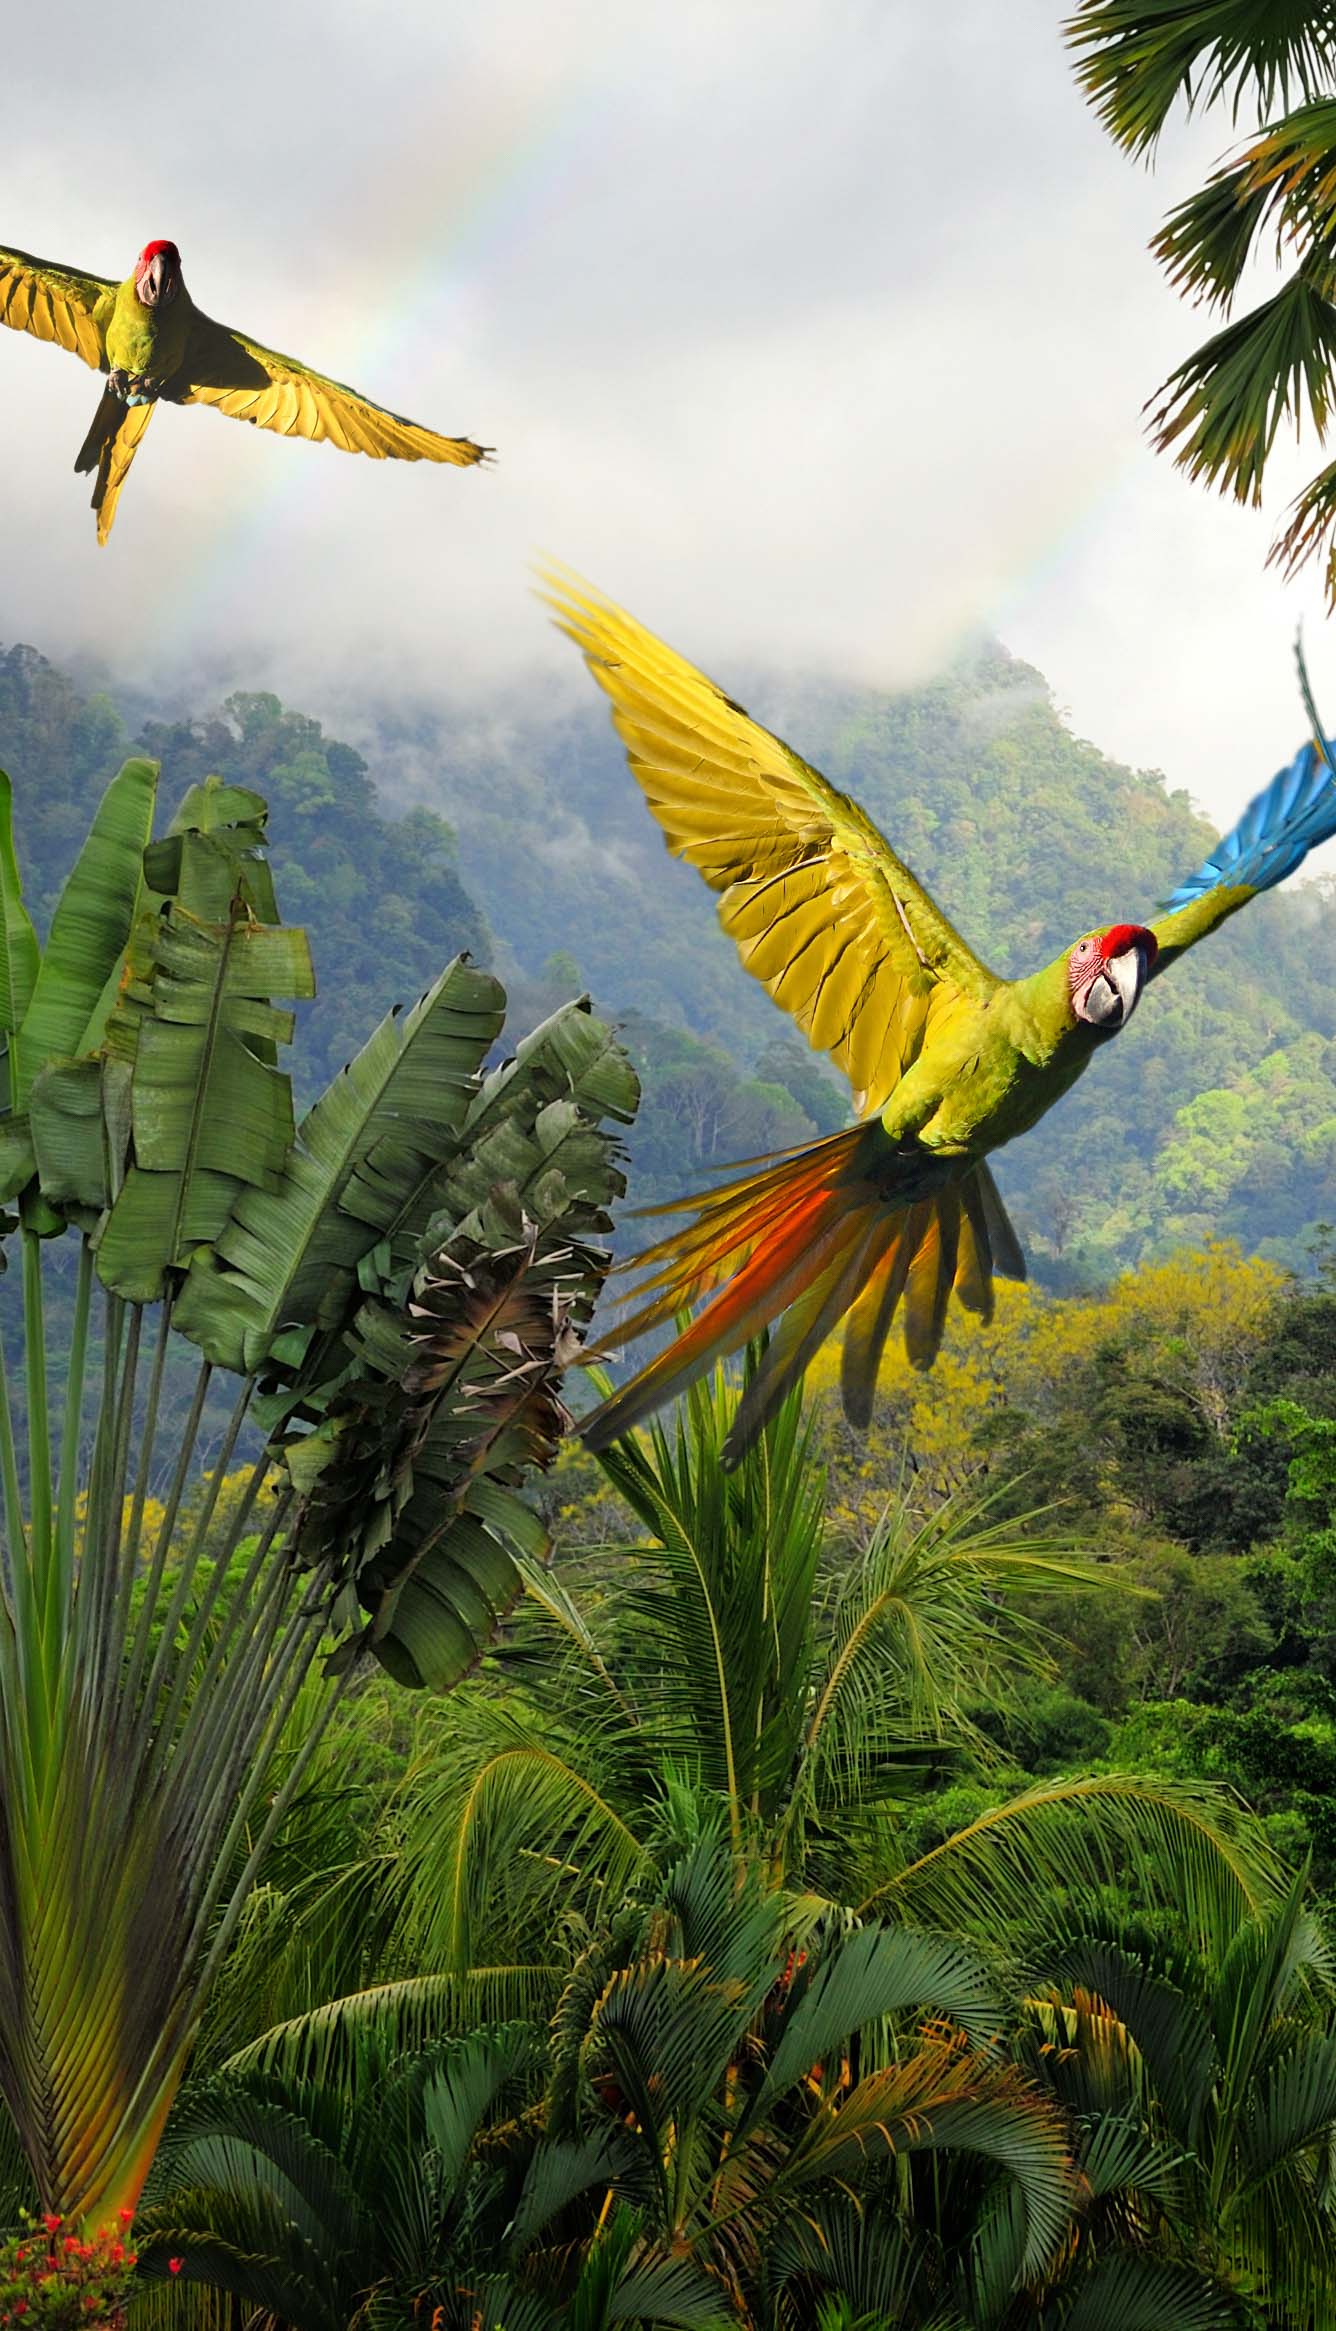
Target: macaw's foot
x=118 y=381
x=142 y=389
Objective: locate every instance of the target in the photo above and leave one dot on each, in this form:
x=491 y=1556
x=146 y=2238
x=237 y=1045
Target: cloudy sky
x=815 y=330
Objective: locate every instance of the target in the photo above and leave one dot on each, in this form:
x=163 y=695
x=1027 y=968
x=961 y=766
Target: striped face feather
x=158 y=274
x=1106 y=972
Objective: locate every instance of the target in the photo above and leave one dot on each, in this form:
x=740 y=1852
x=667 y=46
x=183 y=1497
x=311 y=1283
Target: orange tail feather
x=850 y=1225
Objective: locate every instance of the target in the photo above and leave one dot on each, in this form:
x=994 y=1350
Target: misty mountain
x=522 y=838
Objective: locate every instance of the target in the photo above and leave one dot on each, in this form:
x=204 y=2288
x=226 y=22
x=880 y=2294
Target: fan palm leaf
x=1222 y=407
x=1136 y=59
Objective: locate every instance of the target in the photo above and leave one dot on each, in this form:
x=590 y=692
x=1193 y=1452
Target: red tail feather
x=851 y=1223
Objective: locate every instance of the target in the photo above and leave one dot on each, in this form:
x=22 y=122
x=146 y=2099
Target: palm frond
x=872 y=2260
x=730 y=1641
x=945 y=2098
x=1069 y=1838
x=921 y=1627
x=323 y=2047
x=1170 y=2031
x=1133 y=2293
x=1292 y=2109
x=243 y=2244
x=559 y=2172
x=1221 y=408
x=1137 y=58
x=1286 y=177
x=1206 y=242
x=670 y=2028
x=881 y=1972
x=1311 y=531
x=507 y=1827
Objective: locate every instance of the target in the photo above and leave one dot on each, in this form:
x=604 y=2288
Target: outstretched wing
x=252 y=383
x=55 y=303
x=1295 y=812
x=820 y=909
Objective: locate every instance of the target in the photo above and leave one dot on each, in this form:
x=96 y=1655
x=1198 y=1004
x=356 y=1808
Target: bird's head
x=1106 y=972
x=158 y=274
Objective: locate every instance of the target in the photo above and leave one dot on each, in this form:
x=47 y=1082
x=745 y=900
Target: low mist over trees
x=527 y=844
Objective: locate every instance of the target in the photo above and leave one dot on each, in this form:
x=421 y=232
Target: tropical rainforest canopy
x=890 y=1885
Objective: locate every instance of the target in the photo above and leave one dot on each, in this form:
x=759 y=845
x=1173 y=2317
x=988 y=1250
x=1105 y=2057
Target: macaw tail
x=109 y=448
x=851 y=1225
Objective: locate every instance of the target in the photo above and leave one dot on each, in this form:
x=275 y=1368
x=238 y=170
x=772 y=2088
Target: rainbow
x=511 y=180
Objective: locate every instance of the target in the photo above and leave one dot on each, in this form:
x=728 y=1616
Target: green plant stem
x=76 y=1377
x=45 y=1584
x=110 y=1647
x=219 y=1718
x=286 y=1677
x=147 y=1437
x=282 y=1799
x=153 y=1583
x=97 y=1588
x=14 y=1570
x=243 y=1608
x=190 y=1558
x=258 y=1667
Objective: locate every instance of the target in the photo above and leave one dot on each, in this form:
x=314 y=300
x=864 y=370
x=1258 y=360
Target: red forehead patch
x=1124 y=935
x=158 y=250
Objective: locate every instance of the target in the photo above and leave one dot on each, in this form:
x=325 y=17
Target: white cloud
x=818 y=333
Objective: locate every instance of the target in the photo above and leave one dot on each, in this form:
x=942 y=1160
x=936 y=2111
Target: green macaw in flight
x=155 y=345
x=947 y=1061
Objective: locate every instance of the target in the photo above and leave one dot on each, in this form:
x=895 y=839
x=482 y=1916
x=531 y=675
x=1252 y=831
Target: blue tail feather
x=1295 y=812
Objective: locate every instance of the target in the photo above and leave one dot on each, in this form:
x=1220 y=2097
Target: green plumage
x=990 y=1070
x=150 y=340
x=947 y=1062
x=156 y=343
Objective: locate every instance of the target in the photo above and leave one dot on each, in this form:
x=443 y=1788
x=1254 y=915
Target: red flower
x=51 y=2223
x=174 y=2265
x=125 y=2216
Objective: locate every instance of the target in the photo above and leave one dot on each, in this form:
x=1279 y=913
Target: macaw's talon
x=118 y=381
x=143 y=389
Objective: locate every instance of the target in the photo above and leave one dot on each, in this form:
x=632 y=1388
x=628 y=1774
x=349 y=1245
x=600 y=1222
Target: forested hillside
x=523 y=839
x=1216 y=1110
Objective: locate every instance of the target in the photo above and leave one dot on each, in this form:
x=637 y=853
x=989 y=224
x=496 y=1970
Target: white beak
x=1111 y=997
x=1128 y=973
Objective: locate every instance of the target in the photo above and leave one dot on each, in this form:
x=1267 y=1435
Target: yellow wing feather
x=253 y=383
x=820 y=909
x=56 y=303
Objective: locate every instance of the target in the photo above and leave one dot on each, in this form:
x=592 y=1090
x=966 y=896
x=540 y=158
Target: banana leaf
x=89 y=928
x=448 y=1396
x=286 y=1262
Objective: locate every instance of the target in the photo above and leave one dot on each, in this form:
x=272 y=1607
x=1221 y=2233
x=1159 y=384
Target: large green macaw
x=155 y=345
x=947 y=1061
